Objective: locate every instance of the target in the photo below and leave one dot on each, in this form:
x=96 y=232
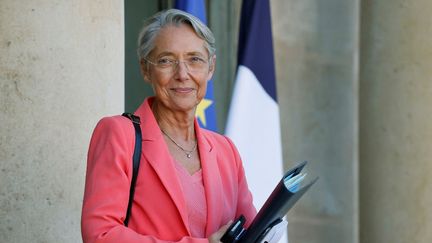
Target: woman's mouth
x=182 y=90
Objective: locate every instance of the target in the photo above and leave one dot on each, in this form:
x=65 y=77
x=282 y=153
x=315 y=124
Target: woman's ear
x=144 y=70
x=212 y=67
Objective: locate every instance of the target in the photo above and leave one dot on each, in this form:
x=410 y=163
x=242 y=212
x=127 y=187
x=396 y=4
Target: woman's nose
x=182 y=69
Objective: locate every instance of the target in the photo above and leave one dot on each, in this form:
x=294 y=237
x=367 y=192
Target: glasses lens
x=196 y=64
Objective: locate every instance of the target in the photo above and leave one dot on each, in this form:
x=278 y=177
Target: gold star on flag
x=200 y=111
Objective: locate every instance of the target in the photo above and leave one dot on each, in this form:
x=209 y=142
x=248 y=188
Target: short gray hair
x=174 y=17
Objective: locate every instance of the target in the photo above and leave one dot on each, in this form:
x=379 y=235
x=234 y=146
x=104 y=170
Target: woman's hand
x=215 y=237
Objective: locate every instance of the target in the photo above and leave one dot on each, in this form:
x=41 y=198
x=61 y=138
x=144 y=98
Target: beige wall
x=396 y=121
x=361 y=114
x=61 y=69
x=316 y=48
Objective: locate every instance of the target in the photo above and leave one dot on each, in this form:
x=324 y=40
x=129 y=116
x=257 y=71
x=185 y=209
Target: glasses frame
x=174 y=67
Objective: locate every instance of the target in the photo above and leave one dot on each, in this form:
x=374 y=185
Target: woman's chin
x=185 y=105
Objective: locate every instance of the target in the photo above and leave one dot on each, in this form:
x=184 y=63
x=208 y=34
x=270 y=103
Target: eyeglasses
x=194 y=64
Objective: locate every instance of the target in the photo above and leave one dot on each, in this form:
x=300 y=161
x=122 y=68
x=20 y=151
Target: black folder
x=271 y=213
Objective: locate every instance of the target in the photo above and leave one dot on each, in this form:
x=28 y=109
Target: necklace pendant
x=187 y=152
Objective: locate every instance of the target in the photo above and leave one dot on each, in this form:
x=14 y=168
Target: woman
x=191 y=183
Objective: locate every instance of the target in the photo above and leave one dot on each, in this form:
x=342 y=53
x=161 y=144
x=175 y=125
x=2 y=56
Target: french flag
x=253 y=120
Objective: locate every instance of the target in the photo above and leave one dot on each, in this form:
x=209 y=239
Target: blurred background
x=354 y=85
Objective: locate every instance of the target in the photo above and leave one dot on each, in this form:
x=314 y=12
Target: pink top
x=194 y=194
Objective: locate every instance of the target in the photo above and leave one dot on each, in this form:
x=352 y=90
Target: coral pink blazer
x=159 y=211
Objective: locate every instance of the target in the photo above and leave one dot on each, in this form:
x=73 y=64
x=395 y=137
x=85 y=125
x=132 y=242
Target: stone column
x=396 y=121
x=316 y=47
x=61 y=69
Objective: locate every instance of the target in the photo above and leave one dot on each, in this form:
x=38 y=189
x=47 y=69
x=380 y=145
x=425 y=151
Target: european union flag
x=206 y=110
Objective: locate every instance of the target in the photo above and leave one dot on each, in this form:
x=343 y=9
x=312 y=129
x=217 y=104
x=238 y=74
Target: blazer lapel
x=212 y=182
x=156 y=153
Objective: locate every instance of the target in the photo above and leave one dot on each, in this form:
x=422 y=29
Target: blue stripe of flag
x=255 y=49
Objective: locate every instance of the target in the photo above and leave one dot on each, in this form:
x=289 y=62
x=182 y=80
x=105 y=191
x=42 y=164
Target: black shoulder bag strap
x=136 y=162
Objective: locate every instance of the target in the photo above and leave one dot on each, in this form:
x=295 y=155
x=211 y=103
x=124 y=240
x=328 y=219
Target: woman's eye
x=165 y=61
x=196 y=60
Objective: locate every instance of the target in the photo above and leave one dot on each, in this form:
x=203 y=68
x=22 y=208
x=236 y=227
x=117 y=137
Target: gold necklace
x=187 y=152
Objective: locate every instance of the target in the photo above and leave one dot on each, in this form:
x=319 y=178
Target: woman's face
x=182 y=85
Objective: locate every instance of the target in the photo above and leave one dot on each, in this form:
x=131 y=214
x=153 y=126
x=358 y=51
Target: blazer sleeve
x=108 y=177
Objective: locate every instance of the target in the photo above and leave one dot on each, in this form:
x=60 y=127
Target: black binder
x=271 y=213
